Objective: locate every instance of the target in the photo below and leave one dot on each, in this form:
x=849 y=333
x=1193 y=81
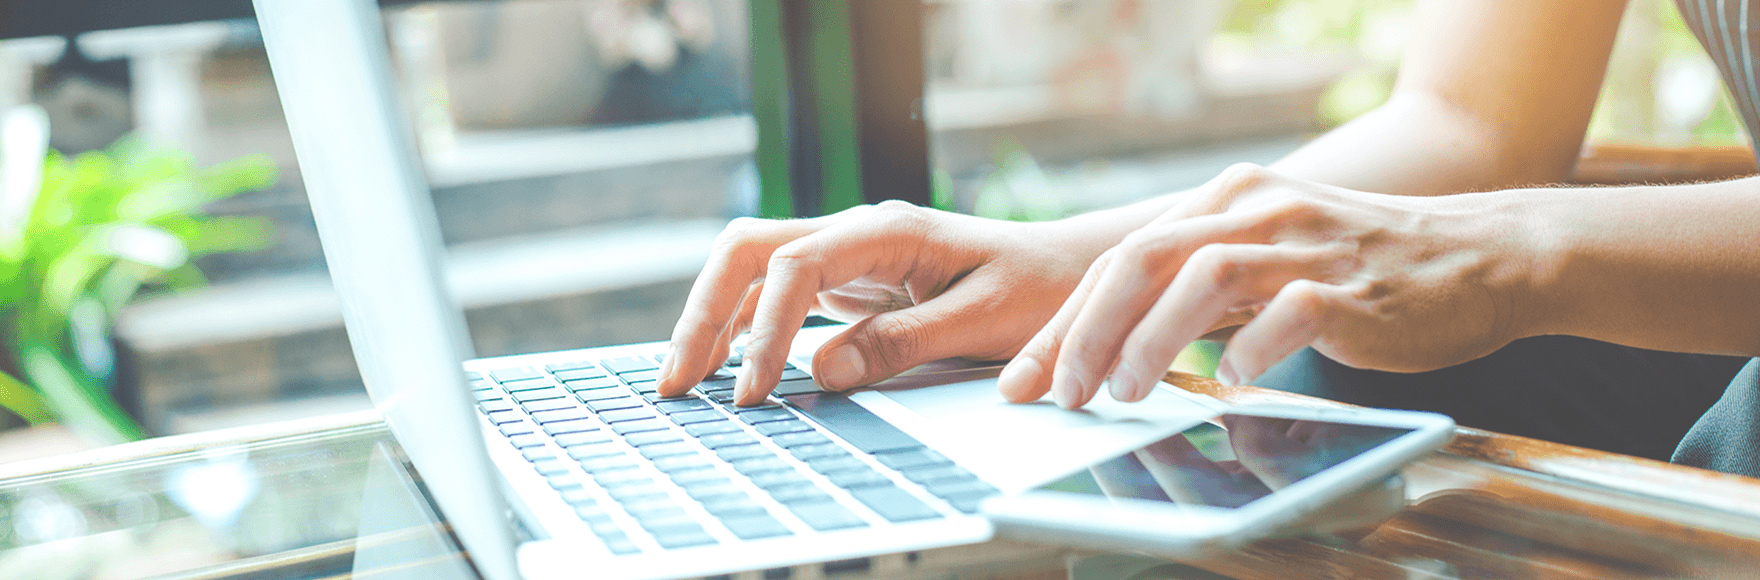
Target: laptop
x=568 y=464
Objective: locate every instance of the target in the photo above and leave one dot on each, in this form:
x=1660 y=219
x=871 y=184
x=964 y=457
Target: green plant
x=103 y=226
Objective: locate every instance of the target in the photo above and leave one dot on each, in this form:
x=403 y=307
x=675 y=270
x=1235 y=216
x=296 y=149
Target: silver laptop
x=567 y=464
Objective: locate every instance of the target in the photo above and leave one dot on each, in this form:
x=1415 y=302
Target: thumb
x=880 y=346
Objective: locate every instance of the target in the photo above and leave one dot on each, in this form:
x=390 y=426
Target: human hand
x=1372 y=281
x=919 y=284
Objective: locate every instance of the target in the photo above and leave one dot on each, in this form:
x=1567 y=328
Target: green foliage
x=105 y=225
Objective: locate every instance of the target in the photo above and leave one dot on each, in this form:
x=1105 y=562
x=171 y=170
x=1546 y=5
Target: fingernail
x=1225 y=372
x=1020 y=372
x=1064 y=390
x=844 y=367
x=1124 y=382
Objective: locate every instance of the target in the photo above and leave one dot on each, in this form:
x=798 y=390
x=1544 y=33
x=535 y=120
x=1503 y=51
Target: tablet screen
x=1228 y=465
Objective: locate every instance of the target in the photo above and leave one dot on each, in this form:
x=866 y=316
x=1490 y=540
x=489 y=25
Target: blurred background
x=166 y=275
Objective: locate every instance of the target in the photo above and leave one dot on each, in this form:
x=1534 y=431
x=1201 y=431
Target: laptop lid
x=376 y=221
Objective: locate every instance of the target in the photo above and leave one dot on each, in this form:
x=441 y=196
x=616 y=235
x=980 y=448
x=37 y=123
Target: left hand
x=1372 y=281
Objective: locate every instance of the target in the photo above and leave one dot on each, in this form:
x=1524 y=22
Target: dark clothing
x=1558 y=388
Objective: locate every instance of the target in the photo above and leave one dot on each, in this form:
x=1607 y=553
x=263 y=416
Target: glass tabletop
x=338 y=501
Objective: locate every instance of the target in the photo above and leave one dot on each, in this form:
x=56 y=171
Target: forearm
x=1419 y=145
x=1671 y=268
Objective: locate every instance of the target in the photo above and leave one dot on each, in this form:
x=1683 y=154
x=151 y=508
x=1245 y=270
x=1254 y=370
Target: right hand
x=919 y=285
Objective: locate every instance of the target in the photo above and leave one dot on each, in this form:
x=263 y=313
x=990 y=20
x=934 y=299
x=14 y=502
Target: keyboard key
x=698 y=477
x=716 y=385
x=520 y=427
x=610 y=480
x=911 y=458
x=593 y=384
x=526 y=385
x=722 y=397
x=793 y=374
x=538 y=394
x=564 y=482
x=569 y=366
x=578 y=496
x=493 y=405
x=765 y=415
x=671 y=406
x=721 y=373
x=826 y=516
x=652 y=505
x=776 y=479
x=667 y=450
x=526 y=440
x=765 y=406
x=594 y=451
x=755 y=465
x=894 y=504
x=574 y=426
x=639 y=376
x=925 y=475
x=736 y=356
x=648 y=387
x=738 y=452
x=705 y=416
x=856 y=478
x=656 y=398
x=804 y=493
x=788 y=440
x=486 y=395
x=505 y=417
x=680 y=463
x=732 y=505
x=590 y=396
x=473 y=375
x=518 y=374
x=836 y=463
x=619 y=544
x=625 y=415
x=707 y=429
x=800 y=387
x=807 y=452
x=613 y=404
x=550 y=467
x=966 y=503
x=959 y=488
x=629 y=364
x=673 y=540
x=754 y=526
x=720 y=440
x=779 y=427
x=555 y=415
x=548 y=405
x=651 y=438
x=582 y=438
x=580 y=374
x=854 y=423
x=608 y=463
x=706 y=492
x=638 y=426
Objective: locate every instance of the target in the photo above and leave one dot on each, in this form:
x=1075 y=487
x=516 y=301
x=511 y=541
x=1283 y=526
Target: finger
x=1216 y=280
x=739 y=258
x=1140 y=271
x=1296 y=317
x=883 y=244
x=1027 y=377
x=880 y=346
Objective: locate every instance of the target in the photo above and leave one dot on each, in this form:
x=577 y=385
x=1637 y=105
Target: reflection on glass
x=1230 y=465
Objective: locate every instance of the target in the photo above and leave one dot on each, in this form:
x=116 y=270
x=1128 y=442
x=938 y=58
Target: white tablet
x=1249 y=473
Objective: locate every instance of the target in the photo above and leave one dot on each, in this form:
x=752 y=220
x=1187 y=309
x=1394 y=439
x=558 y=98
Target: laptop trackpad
x=959 y=412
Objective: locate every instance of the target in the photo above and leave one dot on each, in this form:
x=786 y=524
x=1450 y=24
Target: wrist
x=1539 y=249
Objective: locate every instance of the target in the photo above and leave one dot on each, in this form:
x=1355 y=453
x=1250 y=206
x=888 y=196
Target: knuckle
x=897 y=205
x=791 y=257
x=1242 y=176
x=1219 y=267
x=895 y=341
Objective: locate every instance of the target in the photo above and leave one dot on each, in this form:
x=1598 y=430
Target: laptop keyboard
x=645 y=472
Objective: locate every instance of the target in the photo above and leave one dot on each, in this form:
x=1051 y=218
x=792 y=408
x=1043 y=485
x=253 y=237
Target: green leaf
x=21 y=400
x=83 y=405
x=231 y=234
